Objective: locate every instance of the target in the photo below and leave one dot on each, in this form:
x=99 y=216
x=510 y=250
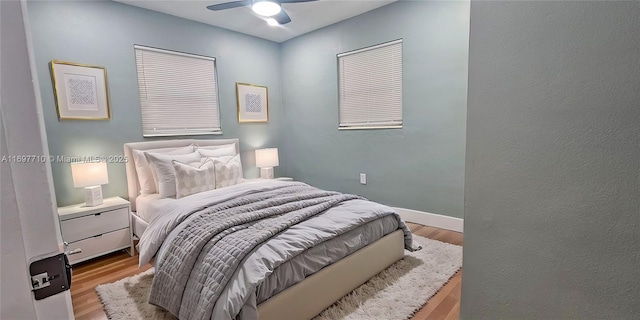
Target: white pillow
x=228 y=172
x=213 y=147
x=163 y=167
x=191 y=180
x=145 y=175
x=218 y=151
x=224 y=159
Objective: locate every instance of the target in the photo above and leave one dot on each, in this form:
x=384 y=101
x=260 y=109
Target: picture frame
x=80 y=91
x=253 y=103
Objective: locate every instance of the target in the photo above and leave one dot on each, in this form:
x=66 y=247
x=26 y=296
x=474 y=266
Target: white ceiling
x=305 y=16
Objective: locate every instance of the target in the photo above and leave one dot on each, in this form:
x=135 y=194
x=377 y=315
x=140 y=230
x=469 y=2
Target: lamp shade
x=86 y=174
x=267 y=158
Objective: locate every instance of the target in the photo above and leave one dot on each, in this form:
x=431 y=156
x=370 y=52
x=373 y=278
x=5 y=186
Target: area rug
x=396 y=293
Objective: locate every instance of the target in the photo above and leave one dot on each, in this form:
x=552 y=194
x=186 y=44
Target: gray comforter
x=200 y=263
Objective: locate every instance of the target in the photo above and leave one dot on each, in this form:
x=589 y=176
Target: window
x=178 y=93
x=370 y=87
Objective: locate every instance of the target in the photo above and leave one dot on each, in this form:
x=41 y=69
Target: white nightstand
x=96 y=230
x=284 y=179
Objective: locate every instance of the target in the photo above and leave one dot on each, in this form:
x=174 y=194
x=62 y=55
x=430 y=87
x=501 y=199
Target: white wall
x=14 y=292
x=29 y=222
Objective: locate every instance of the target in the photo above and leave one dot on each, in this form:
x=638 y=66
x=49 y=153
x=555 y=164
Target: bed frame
x=309 y=297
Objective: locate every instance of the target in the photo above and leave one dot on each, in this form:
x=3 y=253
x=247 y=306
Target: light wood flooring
x=86 y=276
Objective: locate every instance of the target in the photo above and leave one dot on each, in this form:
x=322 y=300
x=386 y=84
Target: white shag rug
x=396 y=293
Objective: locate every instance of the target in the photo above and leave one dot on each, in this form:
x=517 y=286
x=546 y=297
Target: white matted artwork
x=253 y=103
x=80 y=91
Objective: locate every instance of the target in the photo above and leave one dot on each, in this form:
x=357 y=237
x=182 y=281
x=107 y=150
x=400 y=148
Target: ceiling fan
x=272 y=9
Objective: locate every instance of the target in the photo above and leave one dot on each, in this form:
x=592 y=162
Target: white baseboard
x=431 y=219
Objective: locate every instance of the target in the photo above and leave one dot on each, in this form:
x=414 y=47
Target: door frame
x=30 y=226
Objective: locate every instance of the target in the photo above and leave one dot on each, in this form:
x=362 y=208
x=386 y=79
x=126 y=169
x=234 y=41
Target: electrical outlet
x=363 y=178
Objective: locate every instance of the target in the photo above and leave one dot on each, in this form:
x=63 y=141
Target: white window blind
x=370 y=87
x=178 y=93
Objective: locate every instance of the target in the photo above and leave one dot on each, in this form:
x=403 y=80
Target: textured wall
x=552 y=196
x=103 y=33
x=420 y=166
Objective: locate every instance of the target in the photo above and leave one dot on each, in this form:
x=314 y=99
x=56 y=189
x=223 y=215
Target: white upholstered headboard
x=132 y=176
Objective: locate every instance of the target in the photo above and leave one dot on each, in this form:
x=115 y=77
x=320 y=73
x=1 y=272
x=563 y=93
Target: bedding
x=228 y=171
x=164 y=173
x=148 y=206
x=280 y=231
x=217 y=151
x=194 y=179
x=137 y=168
x=143 y=169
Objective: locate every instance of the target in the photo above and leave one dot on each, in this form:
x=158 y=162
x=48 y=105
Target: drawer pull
x=98 y=235
x=97 y=214
x=74 y=251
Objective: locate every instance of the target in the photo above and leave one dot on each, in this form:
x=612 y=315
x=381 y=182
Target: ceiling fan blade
x=229 y=5
x=282 y=17
x=294 y=1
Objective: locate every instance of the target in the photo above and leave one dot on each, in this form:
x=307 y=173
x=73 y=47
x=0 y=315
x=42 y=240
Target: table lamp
x=91 y=176
x=266 y=159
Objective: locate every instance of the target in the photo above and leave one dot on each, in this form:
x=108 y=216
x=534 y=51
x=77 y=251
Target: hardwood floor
x=87 y=275
x=445 y=305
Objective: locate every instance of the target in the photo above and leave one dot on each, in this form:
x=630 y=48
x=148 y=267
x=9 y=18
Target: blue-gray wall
x=420 y=166
x=552 y=190
x=103 y=33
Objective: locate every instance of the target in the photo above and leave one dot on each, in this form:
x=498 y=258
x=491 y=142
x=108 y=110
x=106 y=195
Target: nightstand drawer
x=88 y=226
x=100 y=245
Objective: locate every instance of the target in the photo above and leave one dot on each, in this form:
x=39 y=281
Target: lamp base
x=266 y=173
x=93 y=196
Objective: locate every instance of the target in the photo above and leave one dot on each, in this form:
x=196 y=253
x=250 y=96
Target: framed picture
x=80 y=91
x=252 y=103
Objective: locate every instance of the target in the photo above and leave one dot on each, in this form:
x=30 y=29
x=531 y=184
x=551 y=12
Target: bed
x=281 y=292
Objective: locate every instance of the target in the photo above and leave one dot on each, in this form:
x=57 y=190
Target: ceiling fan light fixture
x=266 y=8
x=273 y=22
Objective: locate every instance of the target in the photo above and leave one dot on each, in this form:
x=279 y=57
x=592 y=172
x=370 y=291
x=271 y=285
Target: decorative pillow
x=228 y=173
x=143 y=169
x=223 y=159
x=218 y=151
x=191 y=180
x=163 y=167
